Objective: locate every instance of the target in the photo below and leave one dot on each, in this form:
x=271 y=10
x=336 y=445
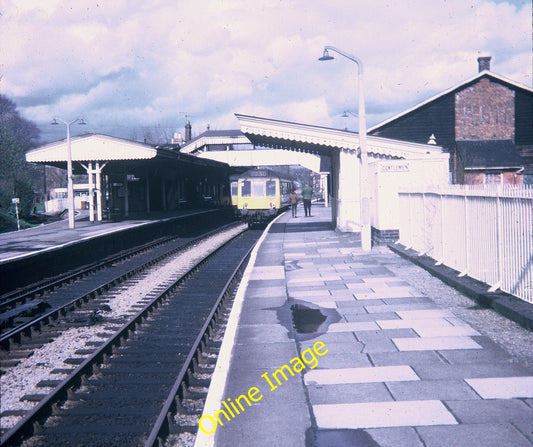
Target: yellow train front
x=259 y=195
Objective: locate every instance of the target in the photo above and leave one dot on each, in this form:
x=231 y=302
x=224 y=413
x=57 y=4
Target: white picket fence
x=480 y=231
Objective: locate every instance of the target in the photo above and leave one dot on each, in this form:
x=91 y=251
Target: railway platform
x=32 y=254
x=328 y=345
x=54 y=235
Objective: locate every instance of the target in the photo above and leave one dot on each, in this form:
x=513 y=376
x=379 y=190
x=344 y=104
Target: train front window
x=233 y=188
x=270 y=188
x=246 y=188
x=259 y=189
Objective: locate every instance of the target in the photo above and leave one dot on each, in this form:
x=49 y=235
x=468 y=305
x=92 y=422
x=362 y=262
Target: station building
x=485 y=123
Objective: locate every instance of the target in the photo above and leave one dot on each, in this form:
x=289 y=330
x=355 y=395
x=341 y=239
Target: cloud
x=129 y=64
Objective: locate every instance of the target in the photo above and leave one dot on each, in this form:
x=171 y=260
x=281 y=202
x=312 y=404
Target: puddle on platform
x=291 y=265
x=342 y=437
x=305 y=319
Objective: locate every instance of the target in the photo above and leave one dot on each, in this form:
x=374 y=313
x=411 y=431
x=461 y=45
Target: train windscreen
x=271 y=188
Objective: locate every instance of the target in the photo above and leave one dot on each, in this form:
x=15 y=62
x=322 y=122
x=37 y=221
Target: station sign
x=394 y=167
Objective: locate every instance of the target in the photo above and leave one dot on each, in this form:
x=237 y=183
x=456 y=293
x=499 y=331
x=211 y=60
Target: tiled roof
x=489 y=154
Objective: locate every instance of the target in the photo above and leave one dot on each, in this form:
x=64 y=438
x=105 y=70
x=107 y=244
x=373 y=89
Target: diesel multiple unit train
x=258 y=195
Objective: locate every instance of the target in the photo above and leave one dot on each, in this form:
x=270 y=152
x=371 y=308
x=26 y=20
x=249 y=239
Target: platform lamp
x=70 y=180
x=346 y=114
x=362 y=154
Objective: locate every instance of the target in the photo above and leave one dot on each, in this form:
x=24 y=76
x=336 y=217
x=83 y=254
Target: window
x=286 y=187
x=246 y=188
x=259 y=189
x=233 y=188
x=271 y=188
x=493 y=178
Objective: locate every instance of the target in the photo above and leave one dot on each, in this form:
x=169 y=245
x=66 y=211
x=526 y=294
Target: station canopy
x=286 y=135
x=115 y=152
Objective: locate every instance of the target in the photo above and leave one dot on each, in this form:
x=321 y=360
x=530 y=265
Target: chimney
x=188 y=131
x=484 y=63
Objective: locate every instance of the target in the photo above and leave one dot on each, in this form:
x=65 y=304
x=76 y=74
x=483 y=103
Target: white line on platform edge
x=217 y=386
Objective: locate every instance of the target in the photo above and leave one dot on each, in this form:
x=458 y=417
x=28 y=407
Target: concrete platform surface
x=330 y=346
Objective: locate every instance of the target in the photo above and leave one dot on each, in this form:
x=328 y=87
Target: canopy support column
x=348 y=201
x=147 y=192
x=98 y=172
x=126 y=196
x=325 y=188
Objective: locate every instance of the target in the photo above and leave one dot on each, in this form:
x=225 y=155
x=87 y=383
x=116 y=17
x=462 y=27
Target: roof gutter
x=495 y=168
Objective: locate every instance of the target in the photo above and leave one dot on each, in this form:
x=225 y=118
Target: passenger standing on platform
x=307 y=195
x=293 y=199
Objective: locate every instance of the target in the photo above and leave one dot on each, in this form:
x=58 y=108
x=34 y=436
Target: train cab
x=260 y=194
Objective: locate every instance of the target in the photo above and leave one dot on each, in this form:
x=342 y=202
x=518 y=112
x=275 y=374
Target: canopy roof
x=322 y=140
x=92 y=147
x=116 y=153
x=216 y=140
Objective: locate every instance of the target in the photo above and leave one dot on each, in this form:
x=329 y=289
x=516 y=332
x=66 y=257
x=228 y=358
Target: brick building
x=485 y=123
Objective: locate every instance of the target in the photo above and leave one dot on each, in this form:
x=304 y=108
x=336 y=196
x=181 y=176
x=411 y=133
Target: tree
x=156 y=135
x=17 y=135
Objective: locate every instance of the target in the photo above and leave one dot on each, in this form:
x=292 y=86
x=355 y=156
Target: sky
x=132 y=66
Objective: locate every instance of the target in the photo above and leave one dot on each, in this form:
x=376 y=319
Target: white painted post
x=98 y=191
x=499 y=242
x=15 y=201
x=90 y=171
x=464 y=272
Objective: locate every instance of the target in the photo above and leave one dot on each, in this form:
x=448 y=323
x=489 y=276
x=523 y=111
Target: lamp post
x=70 y=180
x=363 y=154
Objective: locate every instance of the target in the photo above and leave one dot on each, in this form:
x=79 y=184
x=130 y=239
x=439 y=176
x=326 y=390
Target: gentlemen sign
x=394 y=167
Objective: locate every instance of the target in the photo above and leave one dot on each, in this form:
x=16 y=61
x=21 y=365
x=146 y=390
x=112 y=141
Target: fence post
x=409 y=229
x=499 y=241
x=467 y=225
x=424 y=226
x=441 y=260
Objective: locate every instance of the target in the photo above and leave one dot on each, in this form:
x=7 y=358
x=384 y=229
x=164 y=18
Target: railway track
x=23 y=313
x=136 y=388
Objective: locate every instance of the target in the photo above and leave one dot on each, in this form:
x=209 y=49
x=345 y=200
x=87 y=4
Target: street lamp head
x=326 y=56
x=80 y=121
x=347 y=113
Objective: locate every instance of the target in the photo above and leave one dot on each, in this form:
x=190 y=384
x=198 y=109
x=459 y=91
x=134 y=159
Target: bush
x=8 y=222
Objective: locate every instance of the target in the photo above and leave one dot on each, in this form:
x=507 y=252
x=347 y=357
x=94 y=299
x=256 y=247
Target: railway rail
x=25 y=312
x=124 y=392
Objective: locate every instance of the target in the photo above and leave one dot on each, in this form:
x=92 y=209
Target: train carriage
x=260 y=194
